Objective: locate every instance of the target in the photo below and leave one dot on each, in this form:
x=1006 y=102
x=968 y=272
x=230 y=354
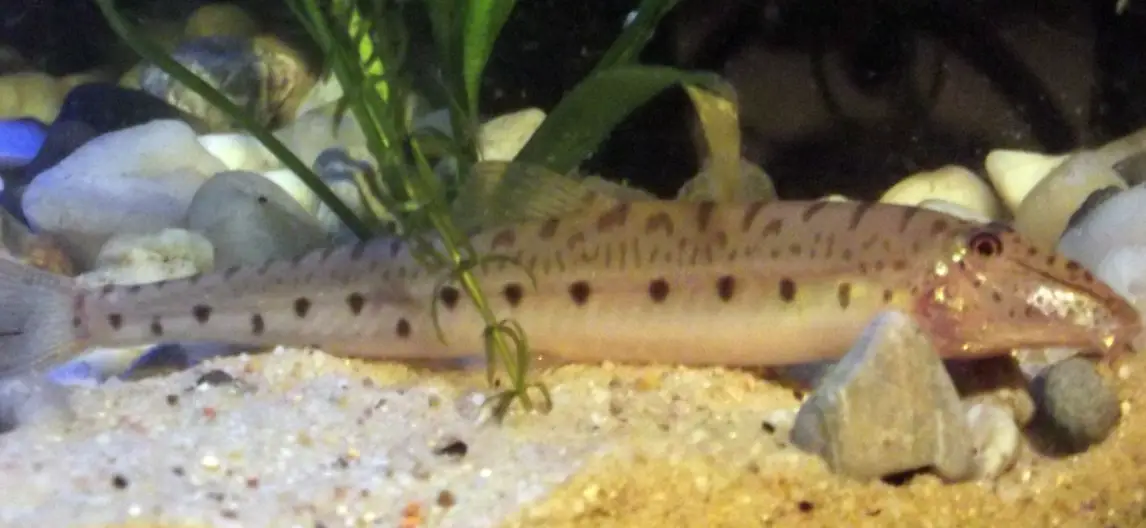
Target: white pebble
x=997 y=440
x=1015 y=172
x=951 y=183
x=239 y=151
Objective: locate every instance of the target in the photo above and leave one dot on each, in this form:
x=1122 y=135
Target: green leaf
x=484 y=20
x=633 y=39
x=589 y=112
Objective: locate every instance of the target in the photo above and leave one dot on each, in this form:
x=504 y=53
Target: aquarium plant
x=364 y=42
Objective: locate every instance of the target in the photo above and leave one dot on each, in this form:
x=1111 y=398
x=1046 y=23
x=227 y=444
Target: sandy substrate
x=305 y=439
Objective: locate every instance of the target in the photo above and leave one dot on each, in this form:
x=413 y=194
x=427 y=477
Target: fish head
x=992 y=291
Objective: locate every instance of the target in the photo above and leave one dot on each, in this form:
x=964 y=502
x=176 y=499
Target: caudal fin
x=35 y=317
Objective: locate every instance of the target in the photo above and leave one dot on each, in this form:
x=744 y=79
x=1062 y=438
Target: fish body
x=645 y=281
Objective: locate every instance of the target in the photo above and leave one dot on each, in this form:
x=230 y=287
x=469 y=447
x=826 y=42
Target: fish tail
x=36 y=317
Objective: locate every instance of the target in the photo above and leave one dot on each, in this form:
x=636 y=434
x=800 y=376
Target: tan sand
x=315 y=440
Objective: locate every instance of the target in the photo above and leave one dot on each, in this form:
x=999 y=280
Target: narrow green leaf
x=633 y=39
x=588 y=113
x=484 y=20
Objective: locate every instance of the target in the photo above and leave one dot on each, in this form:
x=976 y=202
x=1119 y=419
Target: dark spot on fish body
x=750 y=213
x=395 y=247
x=660 y=221
x=726 y=287
x=704 y=214
x=575 y=240
x=579 y=292
x=810 y=211
x=720 y=239
x=846 y=254
x=844 y=294
x=506 y=238
x=115 y=321
x=402 y=329
x=613 y=218
x=858 y=214
x=939 y=226
x=997 y=297
x=201 y=312
x=301 y=306
x=773 y=227
x=658 y=290
x=794 y=249
x=899 y=265
x=888 y=295
x=107 y=289
x=548 y=228
x=513 y=293
x=77 y=322
x=258 y=326
x=908 y=214
x=1051 y=260
x=156 y=326
x=134 y=288
x=355 y=301
x=231 y=271
x=358 y=250
x=787 y=290
x=449 y=296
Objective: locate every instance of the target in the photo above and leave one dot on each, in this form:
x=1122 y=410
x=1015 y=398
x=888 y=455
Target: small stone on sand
x=888 y=407
x=1075 y=405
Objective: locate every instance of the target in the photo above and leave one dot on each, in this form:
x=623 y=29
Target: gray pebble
x=888 y=407
x=250 y=220
x=1076 y=407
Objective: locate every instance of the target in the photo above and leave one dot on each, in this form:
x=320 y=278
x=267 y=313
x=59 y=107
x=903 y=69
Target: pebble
x=218 y=19
x=315 y=131
x=1076 y=407
x=20 y=140
x=34 y=249
x=1133 y=168
x=1045 y=212
x=888 y=407
x=1112 y=225
x=250 y=220
x=503 y=137
x=35 y=94
x=952 y=184
x=1014 y=173
x=106 y=107
x=996 y=437
x=32 y=400
x=239 y=151
x=261 y=74
x=137 y=180
x=1092 y=202
x=140 y=259
x=955 y=210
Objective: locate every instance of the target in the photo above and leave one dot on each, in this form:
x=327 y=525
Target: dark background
x=835 y=96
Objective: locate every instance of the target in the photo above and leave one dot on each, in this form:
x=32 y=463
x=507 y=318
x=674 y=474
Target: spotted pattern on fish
x=677 y=282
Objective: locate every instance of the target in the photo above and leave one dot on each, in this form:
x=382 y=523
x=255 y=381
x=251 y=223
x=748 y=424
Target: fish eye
x=985 y=244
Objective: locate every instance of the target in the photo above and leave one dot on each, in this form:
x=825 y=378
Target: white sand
x=306 y=438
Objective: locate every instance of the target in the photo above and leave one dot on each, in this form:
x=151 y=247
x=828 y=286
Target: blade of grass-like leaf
x=633 y=39
x=589 y=112
x=718 y=114
x=484 y=20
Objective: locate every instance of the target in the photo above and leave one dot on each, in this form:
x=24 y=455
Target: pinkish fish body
x=667 y=282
